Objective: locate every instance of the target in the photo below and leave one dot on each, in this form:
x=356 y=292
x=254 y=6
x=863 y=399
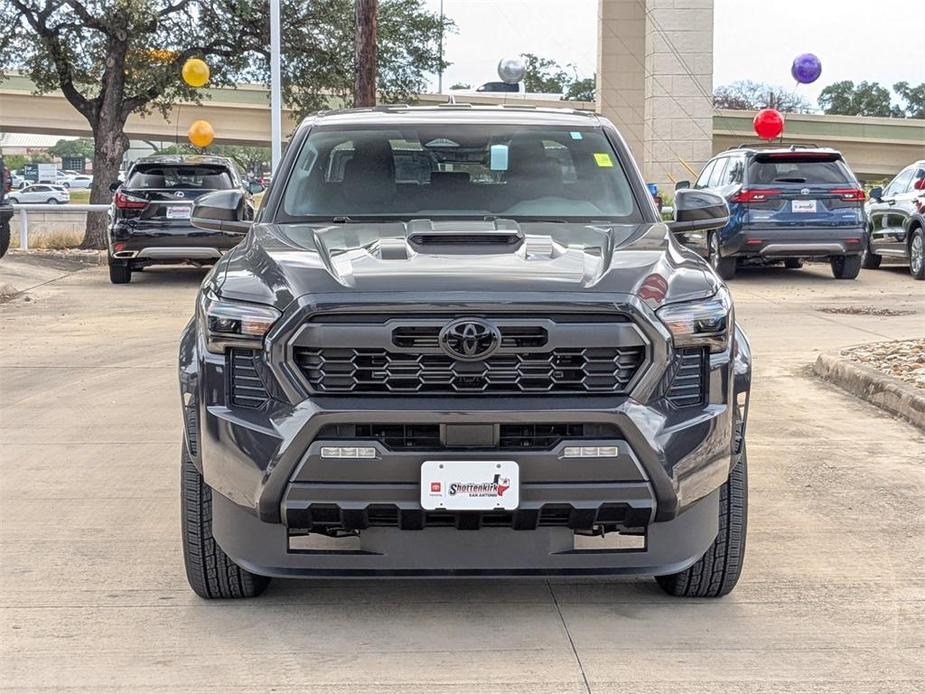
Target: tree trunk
x=365 y=47
x=110 y=144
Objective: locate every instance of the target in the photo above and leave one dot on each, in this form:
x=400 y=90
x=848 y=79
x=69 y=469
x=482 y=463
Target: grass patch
x=54 y=241
x=80 y=196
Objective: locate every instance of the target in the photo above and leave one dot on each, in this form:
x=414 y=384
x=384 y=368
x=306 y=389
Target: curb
x=885 y=392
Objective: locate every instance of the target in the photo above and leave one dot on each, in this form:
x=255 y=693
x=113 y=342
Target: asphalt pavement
x=93 y=596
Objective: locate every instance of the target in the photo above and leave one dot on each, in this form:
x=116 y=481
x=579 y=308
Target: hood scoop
x=496 y=236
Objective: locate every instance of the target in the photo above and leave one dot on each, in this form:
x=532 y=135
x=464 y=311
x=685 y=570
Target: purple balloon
x=806 y=68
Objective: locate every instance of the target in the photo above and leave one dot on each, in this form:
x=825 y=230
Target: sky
x=752 y=39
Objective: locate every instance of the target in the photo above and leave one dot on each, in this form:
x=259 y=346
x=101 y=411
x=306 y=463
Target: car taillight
x=850 y=194
x=750 y=195
x=127 y=202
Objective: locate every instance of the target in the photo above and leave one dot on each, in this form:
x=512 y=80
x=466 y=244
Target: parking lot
x=94 y=597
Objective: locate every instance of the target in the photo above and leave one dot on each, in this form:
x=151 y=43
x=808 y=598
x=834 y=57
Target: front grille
x=331 y=518
x=417 y=437
x=562 y=370
x=247 y=389
x=428 y=336
x=687 y=387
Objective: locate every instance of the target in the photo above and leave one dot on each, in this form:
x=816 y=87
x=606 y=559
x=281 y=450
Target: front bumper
x=273 y=486
x=770 y=242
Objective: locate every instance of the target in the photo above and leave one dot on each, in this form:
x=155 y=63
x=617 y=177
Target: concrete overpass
x=875 y=147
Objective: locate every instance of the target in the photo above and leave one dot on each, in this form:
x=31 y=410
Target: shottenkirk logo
x=496 y=487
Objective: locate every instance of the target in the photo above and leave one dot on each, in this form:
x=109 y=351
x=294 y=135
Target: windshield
x=160 y=176
x=459 y=171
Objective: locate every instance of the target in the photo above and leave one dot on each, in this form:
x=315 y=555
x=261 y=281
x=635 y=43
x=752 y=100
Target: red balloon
x=768 y=123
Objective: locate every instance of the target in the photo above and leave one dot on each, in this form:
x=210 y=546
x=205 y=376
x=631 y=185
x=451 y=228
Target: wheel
x=51 y=201
x=917 y=253
x=210 y=572
x=4 y=238
x=119 y=274
x=716 y=573
x=846 y=267
x=793 y=263
x=724 y=267
x=12 y=199
x=66 y=185
x=869 y=259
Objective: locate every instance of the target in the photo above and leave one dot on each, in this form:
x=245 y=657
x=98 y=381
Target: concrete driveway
x=94 y=598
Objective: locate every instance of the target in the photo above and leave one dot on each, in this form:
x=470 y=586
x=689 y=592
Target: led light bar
x=590 y=452
x=347 y=452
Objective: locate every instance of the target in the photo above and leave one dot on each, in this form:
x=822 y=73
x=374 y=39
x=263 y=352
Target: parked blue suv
x=786 y=203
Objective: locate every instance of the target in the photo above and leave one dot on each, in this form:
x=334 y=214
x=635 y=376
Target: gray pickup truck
x=459 y=341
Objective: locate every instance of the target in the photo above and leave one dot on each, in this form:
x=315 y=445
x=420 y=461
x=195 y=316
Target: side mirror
x=221 y=210
x=114 y=186
x=698 y=210
x=682 y=185
x=876 y=193
x=253 y=188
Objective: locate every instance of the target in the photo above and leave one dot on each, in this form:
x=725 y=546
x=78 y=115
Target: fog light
x=347 y=452
x=591 y=452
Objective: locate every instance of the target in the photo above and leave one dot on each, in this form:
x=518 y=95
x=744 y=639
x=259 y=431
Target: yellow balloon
x=195 y=72
x=200 y=133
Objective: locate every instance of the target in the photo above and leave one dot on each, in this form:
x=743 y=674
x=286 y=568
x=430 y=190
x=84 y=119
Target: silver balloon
x=511 y=70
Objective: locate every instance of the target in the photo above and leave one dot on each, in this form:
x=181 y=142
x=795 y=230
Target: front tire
x=870 y=260
x=210 y=572
x=716 y=573
x=917 y=253
x=724 y=267
x=51 y=201
x=846 y=267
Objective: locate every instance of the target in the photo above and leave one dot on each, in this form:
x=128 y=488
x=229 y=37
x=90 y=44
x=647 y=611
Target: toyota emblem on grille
x=804 y=191
x=179 y=194
x=470 y=339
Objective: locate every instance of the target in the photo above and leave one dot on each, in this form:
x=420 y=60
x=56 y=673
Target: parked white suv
x=40 y=193
x=78 y=181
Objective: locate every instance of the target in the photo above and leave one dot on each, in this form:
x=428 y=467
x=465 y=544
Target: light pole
x=276 y=105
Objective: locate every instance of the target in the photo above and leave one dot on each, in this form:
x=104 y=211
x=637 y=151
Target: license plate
x=178 y=212
x=470 y=485
x=802 y=205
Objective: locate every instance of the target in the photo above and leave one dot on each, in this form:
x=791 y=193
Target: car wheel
x=210 y=572
x=846 y=267
x=716 y=573
x=724 y=267
x=793 y=263
x=51 y=201
x=869 y=259
x=4 y=238
x=119 y=273
x=13 y=200
x=917 y=253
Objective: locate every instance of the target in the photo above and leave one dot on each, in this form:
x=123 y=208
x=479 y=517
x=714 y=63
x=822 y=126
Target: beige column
x=661 y=51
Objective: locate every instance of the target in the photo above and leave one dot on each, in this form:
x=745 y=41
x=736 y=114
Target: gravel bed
x=901 y=359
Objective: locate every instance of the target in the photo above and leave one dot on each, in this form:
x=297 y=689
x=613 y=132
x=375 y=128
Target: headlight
x=703 y=323
x=234 y=324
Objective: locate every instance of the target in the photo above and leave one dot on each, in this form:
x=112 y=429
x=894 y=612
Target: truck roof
x=518 y=114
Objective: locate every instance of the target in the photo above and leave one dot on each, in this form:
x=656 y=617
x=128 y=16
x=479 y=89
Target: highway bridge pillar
x=655 y=81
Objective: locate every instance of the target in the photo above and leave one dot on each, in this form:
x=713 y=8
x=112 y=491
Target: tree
x=914 y=98
x=746 y=95
x=543 y=75
x=461 y=85
x=365 y=51
x=865 y=99
x=81 y=147
x=15 y=162
x=582 y=89
x=250 y=159
x=112 y=59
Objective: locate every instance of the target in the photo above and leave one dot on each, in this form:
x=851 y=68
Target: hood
x=281 y=262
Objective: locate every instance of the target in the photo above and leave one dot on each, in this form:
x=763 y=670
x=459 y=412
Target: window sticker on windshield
x=498 y=158
x=603 y=159
x=575 y=135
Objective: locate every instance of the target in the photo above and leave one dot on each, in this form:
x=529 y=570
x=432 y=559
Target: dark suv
x=786 y=203
x=459 y=341
x=151 y=213
x=896 y=220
